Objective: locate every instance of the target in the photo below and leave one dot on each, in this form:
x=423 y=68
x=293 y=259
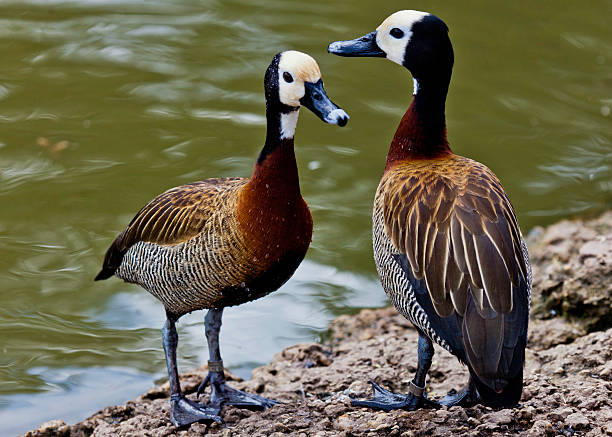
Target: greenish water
x=104 y=104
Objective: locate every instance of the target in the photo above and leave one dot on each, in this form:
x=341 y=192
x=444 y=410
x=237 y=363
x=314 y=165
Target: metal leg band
x=416 y=390
x=215 y=366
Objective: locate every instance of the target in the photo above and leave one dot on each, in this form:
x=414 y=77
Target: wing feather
x=459 y=295
x=484 y=340
x=458 y=251
x=420 y=246
x=501 y=238
x=470 y=258
x=432 y=236
x=435 y=270
x=410 y=239
x=453 y=274
x=445 y=210
x=497 y=283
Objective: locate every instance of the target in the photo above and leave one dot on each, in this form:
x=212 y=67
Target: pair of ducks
x=447 y=244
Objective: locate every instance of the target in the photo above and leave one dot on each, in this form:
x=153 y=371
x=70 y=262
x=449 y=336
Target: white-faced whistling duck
x=223 y=242
x=447 y=244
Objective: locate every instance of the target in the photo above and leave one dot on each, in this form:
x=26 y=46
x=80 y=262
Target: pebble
x=526 y=413
x=540 y=428
x=501 y=417
x=560 y=413
x=577 y=421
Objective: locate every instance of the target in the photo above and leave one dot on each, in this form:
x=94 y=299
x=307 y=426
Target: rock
x=544 y=334
x=502 y=417
x=541 y=428
x=344 y=423
x=577 y=421
x=526 y=413
x=52 y=428
x=572 y=266
x=560 y=414
x=335 y=409
x=472 y=421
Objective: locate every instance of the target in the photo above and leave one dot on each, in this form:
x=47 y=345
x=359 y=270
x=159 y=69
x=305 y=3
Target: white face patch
x=295 y=68
x=415 y=88
x=288 y=123
x=395 y=48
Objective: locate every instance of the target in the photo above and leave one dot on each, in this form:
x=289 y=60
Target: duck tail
x=112 y=259
x=508 y=397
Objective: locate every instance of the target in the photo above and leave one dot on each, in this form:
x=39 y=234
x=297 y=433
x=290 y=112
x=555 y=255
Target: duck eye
x=397 y=33
x=287 y=76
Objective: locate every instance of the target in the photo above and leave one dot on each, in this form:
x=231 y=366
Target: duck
x=225 y=241
x=447 y=244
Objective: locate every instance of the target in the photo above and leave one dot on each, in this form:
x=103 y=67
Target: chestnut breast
x=274 y=223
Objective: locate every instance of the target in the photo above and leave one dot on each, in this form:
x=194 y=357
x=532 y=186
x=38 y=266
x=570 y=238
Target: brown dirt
x=568 y=376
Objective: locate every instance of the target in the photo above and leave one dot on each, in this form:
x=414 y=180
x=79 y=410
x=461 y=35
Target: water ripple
x=244 y=118
x=183 y=90
x=14 y=173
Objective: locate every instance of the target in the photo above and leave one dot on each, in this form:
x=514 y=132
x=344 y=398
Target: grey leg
x=182 y=410
x=425 y=356
x=386 y=400
x=212 y=326
x=221 y=393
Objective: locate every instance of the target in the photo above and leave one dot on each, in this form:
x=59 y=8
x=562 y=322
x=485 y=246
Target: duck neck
x=276 y=170
x=422 y=132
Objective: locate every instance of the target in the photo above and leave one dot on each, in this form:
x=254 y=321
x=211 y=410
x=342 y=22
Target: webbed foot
x=238 y=398
x=184 y=412
x=223 y=394
x=386 y=400
x=466 y=397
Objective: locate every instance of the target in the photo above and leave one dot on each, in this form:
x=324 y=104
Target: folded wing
x=173 y=217
x=459 y=232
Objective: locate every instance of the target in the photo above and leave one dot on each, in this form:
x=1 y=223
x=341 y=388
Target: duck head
x=292 y=80
x=417 y=40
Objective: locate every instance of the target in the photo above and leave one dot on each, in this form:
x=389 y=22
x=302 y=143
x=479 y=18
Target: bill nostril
x=316 y=96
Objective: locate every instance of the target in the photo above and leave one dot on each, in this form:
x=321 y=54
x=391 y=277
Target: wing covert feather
x=173 y=217
x=179 y=213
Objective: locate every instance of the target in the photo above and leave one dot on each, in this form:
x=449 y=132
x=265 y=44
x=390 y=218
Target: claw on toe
x=203 y=385
x=184 y=412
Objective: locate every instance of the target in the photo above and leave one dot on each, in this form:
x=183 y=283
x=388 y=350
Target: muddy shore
x=568 y=374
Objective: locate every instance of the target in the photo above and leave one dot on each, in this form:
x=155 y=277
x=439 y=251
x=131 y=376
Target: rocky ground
x=568 y=376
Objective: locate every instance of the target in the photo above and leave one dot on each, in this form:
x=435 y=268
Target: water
x=104 y=104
